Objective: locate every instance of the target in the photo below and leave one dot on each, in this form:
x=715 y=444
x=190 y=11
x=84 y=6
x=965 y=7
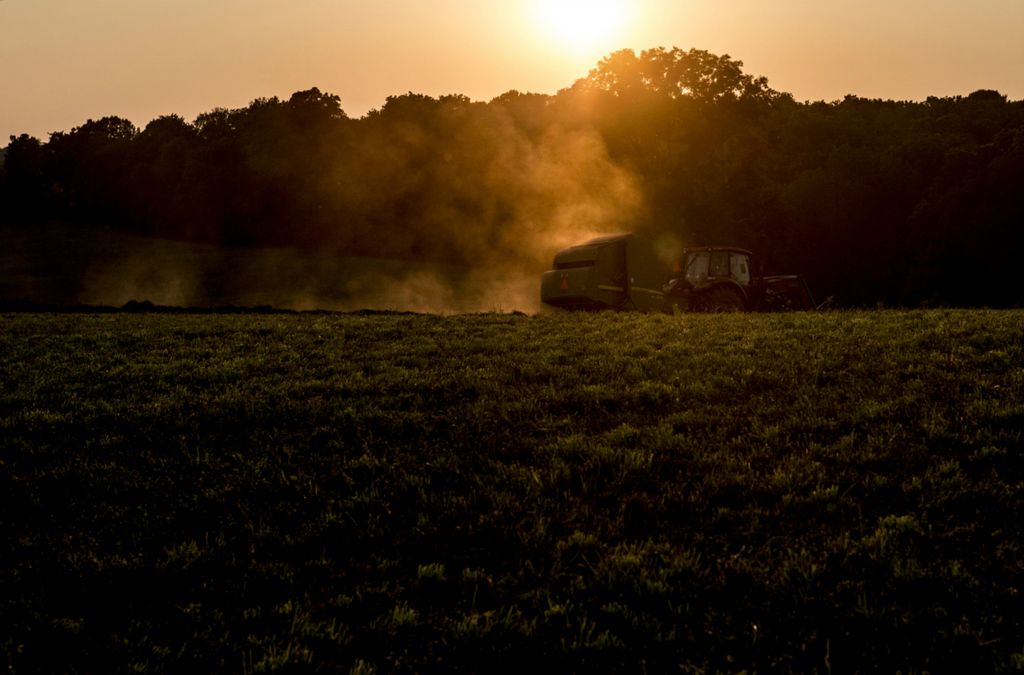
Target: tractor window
x=719 y=266
x=739 y=268
x=697 y=267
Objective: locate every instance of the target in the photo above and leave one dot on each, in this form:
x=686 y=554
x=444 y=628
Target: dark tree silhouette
x=676 y=73
x=23 y=179
x=876 y=201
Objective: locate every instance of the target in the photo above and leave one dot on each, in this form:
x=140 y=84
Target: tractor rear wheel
x=724 y=300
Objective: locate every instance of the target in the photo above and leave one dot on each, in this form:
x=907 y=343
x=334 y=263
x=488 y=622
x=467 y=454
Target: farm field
x=835 y=492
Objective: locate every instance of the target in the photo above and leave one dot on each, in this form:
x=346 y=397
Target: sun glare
x=580 y=24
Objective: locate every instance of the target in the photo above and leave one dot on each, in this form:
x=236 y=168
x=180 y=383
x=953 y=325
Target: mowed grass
x=835 y=492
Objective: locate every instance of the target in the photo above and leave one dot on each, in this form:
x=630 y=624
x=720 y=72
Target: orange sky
x=65 y=61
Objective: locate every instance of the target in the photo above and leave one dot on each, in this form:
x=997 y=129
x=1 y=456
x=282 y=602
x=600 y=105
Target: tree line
x=875 y=201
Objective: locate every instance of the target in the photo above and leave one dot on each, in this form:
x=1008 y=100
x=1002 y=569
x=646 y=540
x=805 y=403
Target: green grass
x=834 y=492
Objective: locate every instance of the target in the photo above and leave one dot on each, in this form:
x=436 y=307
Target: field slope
x=836 y=492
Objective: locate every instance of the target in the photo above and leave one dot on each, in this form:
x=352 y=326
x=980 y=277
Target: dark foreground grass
x=834 y=492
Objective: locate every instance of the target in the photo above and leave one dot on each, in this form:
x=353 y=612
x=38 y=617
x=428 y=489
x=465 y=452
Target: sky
x=63 y=62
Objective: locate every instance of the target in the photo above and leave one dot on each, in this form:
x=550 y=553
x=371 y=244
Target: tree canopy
x=875 y=201
x=675 y=73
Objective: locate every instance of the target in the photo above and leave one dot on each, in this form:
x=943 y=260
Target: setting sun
x=580 y=24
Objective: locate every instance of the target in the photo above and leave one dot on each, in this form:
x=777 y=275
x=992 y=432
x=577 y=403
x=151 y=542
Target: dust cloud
x=498 y=203
x=488 y=216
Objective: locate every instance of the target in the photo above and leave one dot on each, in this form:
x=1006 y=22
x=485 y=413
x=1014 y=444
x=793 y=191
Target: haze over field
x=64 y=61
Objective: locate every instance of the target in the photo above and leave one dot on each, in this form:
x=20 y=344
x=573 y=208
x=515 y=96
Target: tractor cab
x=712 y=278
x=708 y=264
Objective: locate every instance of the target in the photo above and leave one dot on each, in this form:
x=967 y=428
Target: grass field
x=836 y=492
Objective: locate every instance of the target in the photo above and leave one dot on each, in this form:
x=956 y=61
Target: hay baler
x=613 y=272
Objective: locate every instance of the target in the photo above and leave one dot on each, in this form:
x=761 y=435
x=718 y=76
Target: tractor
x=720 y=279
x=622 y=272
